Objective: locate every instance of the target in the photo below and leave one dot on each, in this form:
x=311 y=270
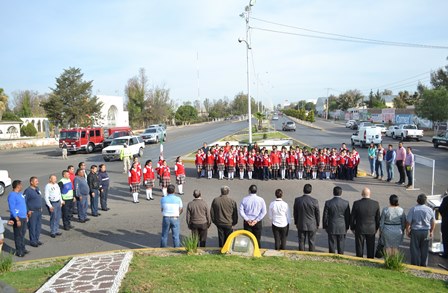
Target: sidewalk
x=99 y=273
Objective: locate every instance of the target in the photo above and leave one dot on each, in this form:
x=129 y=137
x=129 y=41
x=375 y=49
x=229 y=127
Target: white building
x=38 y=122
x=112 y=113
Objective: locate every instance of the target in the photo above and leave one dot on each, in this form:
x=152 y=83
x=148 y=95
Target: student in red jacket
x=230 y=164
x=275 y=162
x=242 y=161
x=250 y=163
x=199 y=161
x=179 y=170
x=148 y=179
x=300 y=163
x=291 y=160
x=266 y=163
x=210 y=163
x=283 y=164
x=220 y=162
x=314 y=164
x=165 y=175
x=134 y=177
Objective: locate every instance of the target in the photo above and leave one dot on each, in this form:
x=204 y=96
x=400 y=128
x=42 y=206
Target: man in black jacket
x=336 y=220
x=443 y=210
x=306 y=217
x=94 y=185
x=365 y=221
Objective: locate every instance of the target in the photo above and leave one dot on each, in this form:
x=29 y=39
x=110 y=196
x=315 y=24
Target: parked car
x=152 y=135
x=390 y=132
x=440 y=139
x=5 y=181
x=275 y=117
x=408 y=131
x=349 y=123
x=382 y=127
x=107 y=141
x=135 y=143
x=366 y=135
x=289 y=126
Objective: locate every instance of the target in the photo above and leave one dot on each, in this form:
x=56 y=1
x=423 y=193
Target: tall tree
x=159 y=106
x=376 y=100
x=27 y=103
x=3 y=102
x=136 y=92
x=207 y=104
x=239 y=104
x=439 y=78
x=350 y=99
x=433 y=105
x=71 y=101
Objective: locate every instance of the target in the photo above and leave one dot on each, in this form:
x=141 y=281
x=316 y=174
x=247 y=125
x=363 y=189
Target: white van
x=366 y=135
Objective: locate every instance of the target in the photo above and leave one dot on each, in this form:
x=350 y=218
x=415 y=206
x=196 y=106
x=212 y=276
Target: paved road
x=129 y=225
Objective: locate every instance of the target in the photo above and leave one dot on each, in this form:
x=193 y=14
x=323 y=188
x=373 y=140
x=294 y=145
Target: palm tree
x=3 y=102
x=259 y=116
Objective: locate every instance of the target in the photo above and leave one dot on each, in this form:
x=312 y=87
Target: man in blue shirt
x=253 y=210
x=17 y=208
x=171 y=206
x=34 y=205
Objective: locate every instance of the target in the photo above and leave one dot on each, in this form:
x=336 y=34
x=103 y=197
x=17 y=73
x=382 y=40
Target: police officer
x=125 y=156
x=66 y=186
x=94 y=189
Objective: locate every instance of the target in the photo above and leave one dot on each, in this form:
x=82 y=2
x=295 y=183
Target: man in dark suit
x=306 y=217
x=365 y=221
x=443 y=210
x=336 y=220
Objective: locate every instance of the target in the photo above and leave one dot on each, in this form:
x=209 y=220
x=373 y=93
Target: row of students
x=297 y=162
x=147 y=176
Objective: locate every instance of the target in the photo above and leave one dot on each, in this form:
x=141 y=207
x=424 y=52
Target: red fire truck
x=82 y=139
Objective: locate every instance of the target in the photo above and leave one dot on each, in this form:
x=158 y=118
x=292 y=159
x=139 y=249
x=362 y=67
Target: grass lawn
x=30 y=279
x=217 y=273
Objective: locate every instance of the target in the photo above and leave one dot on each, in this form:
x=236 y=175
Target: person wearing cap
x=125 y=156
x=420 y=223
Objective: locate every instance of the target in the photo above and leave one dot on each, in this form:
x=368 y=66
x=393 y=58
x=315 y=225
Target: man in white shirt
x=279 y=215
x=53 y=201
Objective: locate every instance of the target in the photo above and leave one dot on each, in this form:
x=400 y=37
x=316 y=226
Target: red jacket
x=266 y=162
x=275 y=158
x=179 y=169
x=211 y=160
x=164 y=172
x=199 y=159
x=230 y=160
x=242 y=160
x=250 y=160
x=221 y=159
x=134 y=176
x=148 y=173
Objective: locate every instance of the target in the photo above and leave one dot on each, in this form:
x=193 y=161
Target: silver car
x=289 y=126
x=152 y=135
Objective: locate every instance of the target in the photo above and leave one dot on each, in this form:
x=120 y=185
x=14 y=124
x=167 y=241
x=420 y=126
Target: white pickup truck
x=408 y=131
x=5 y=181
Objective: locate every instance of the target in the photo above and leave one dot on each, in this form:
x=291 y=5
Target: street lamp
x=246 y=15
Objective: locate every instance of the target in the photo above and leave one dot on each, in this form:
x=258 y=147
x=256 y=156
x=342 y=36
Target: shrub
x=191 y=243
x=28 y=130
x=394 y=261
x=5 y=262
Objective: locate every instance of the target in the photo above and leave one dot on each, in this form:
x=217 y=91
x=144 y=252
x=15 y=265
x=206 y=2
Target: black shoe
x=82 y=221
x=58 y=233
x=71 y=226
x=34 y=244
x=53 y=235
x=106 y=209
x=95 y=215
x=26 y=251
x=87 y=219
x=21 y=254
x=39 y=243
x=66 y=228
x=151 y=198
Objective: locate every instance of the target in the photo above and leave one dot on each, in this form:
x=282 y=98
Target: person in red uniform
x=230 y=164
x=308 y=165
x=250 y=163
x=266 y=164
x=220 y=163
x=139 y=166
x=242 y=161
x=300 y=163
x=179 y=170
x=148 y=179
x=165 y=175
x=358 y=160
x=159 y=165
x=210 y=163
x=321 y=159
x=275 y=162
x=333 y=164
x=134 y=178
x=314 y=164
x=291 y=160
x=350 y=162
x=326 y=152
x=199 y=161
x=283 y=164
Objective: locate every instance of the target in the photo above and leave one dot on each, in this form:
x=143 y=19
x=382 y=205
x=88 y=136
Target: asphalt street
x=129 y=225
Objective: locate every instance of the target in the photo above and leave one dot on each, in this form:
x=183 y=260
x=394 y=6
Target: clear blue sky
x=110 y=40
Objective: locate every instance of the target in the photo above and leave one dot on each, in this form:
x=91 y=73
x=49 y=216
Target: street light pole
x=248 y=47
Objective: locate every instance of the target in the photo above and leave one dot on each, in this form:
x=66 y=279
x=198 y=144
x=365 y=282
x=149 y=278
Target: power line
x=344 y=38
x=412 y=77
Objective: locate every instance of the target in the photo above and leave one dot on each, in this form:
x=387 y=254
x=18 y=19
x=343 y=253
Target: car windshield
x=119 y=141
x=409 y=127
x=151 y=130
x=367 y=124
x=379 y=125
x=289 y=122
x=68 y=135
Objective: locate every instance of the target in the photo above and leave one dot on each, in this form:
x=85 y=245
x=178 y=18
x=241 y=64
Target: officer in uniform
x=66 y=186
x=125 y=156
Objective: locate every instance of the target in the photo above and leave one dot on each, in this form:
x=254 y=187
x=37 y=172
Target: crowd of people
x=256 y=162
x=64 y=198
x=364 y=219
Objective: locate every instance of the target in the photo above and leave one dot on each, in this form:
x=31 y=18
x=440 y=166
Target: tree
x=219 y=109
x=28 y=130
x=301 y=104
x=302 y=114
x=10 y=116
x=376 y=101
x=207 y=105
x=197 y=105
x=136 y=91
x=71 y=101
x=310 y=117
x=239 y=104
x=439 y=78
x=27 y=103
x=160 y=108
x=310 y=106
x=433 y=105
x=186 y=113
x=3 y=102
x=349 y=99
x=259 y=116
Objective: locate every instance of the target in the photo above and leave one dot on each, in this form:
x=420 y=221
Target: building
x=112 y=113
